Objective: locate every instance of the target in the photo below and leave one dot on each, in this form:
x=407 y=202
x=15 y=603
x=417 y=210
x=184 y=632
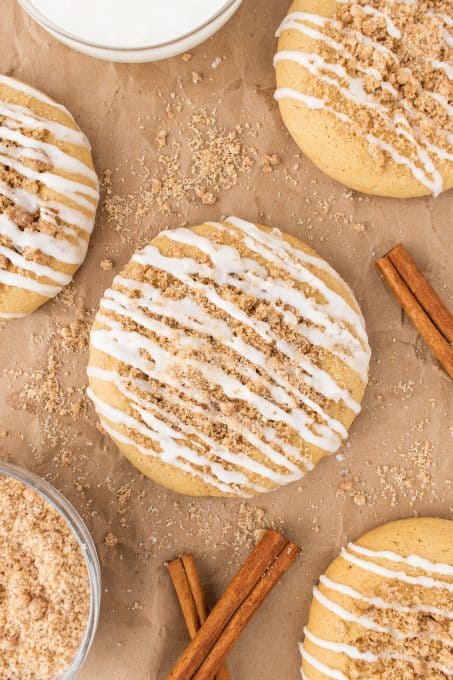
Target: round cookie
x=384 y=608
x=48 y=198
x=364 y=88
x=227 y=359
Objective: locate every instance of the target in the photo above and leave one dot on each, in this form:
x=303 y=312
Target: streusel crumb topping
x=44 y=587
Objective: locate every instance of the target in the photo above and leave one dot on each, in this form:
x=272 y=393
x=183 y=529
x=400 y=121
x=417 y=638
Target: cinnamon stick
x=187 y=584
x=196 y=588
x=184 y=595
x=421 y=289
x=238 y=590
x=242 y=616
x=416 y=312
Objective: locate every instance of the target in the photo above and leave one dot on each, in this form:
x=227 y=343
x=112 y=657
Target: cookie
x=227 y=359
x=364 y=88
x=48 y=197
x=384 y=608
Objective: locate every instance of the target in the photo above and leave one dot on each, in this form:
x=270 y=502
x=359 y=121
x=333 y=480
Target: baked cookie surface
x=227 y=359
x=48 y=198
x=364 y=88
x=384 y=608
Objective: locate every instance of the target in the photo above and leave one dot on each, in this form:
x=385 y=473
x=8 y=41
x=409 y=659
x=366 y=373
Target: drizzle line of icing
x=370 y=657
x=367 y=565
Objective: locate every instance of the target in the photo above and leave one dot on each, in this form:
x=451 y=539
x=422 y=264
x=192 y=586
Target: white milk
x=128 y=23
x=112 y=26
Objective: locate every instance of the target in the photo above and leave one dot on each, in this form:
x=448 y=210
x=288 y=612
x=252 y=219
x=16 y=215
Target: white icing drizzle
x=435 y=185
x=17 y=280
x=44 y=152
x=72 y=223
x=19 y=116
x=193 y=316
x=423 y=168
x=368 y=623
x=354 y=653
x=392 y=29
x=355 y=93
x=61 y=249
x=11 y=315
x=143 y=407
x=311 y=102
x=184 y=321
x=227 y=267
x=321 y=667
x=315 y=103
x=26 y=89
x=443 y=66
x=38 y=269
x=172 y=448
x=75 y=191
x=383 y=604
x=443 y=19
x=32 y=203
x=184 y=268
x=425 y=581
x=339 y=648
x=414 y=561
x=293 y=21
x=346 y=615
x=277 y=253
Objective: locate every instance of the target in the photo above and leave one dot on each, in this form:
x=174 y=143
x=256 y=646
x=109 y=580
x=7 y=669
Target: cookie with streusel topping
x=383 y=609
x=364 y=88
x=48 y=198
x=227 y=359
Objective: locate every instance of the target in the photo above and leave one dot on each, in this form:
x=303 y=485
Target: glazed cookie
x=364 y=88
x=384 y=608
x=48 y=198
x=227 y=359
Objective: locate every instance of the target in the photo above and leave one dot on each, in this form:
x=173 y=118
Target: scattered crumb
x=359 y=498
x=161 y=139
x=270 y=161
x=106 y=264
x=110 y=540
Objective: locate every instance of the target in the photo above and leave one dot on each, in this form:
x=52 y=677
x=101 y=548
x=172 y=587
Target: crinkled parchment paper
x=396 y=463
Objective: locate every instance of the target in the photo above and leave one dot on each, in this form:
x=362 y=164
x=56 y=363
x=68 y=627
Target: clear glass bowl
x=141 y=54
x=81 y=533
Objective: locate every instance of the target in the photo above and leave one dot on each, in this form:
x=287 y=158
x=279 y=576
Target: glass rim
x=80 y=531
x=38 y=16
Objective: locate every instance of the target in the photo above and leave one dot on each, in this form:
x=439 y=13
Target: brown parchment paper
x=397 y=462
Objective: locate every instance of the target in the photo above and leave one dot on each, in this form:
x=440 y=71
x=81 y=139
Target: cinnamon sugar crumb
x=270 y=161
x=156 y=185
x=110 y=540
x=216 y=157
x=161 y=139
x=44 y=586
x=206 y=197
x=359 y=498
x=106 y=264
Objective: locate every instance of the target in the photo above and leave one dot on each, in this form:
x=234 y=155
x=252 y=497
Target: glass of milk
x=131 y=30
